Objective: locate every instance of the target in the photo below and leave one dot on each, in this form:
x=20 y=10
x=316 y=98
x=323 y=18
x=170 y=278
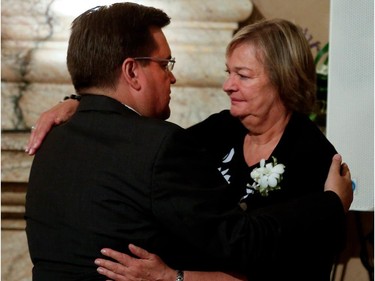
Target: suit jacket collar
x=103 y=103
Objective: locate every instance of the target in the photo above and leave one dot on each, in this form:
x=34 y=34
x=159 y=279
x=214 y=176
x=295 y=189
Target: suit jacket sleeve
x=192 y=200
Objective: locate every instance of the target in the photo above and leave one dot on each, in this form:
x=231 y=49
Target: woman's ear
x=131 y=71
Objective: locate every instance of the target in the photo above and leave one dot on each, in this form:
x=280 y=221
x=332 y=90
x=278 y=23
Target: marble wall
x=34 y=37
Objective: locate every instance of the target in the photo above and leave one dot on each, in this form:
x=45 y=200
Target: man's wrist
x=180 y=275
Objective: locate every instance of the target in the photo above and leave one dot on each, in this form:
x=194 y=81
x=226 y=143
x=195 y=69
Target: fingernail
x=103 y=251
x=100 y=270
x=97 y=262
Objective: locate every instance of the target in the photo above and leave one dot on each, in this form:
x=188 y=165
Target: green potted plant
x=320 y=111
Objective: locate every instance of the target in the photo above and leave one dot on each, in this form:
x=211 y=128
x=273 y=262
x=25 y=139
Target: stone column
x=35 y=77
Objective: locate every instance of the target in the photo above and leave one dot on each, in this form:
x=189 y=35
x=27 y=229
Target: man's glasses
x=169 y=63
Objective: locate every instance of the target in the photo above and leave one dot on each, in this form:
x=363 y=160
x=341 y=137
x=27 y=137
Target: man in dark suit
x=116 y=173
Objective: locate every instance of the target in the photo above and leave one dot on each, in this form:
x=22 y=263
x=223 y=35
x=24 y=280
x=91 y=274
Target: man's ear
x=130 y=72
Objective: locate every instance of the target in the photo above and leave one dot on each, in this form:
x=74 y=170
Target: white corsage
x=266 y=178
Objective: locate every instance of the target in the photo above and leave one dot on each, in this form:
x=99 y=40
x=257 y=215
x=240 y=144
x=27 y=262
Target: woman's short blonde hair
x=282 y=48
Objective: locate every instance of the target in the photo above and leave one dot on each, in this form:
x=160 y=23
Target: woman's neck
x=260 y=142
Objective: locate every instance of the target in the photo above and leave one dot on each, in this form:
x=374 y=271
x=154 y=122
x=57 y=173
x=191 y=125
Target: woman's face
x=253 y=98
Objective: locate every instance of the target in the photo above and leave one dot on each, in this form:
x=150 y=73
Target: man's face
x=157 y=80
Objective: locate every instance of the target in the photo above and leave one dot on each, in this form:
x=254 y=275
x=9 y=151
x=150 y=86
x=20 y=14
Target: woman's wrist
x=72 y=97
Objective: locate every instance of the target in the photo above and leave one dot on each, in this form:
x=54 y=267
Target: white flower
x=267 y=177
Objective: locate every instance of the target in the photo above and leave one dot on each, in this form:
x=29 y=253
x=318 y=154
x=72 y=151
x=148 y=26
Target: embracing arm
x=148 y=266
x=58 y=114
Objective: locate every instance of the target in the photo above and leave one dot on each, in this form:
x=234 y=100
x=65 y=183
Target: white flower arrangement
x=266 y=178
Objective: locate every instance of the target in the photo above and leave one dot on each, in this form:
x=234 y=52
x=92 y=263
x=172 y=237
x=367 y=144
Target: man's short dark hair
x=103 y=37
